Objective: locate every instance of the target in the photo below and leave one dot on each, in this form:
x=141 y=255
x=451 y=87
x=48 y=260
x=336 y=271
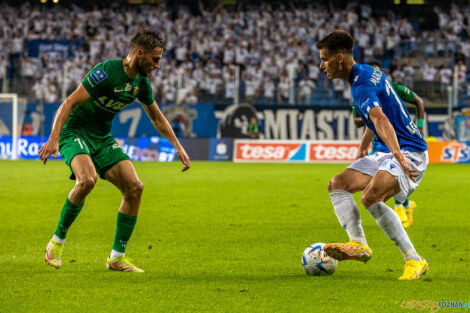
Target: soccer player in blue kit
x=397 y=173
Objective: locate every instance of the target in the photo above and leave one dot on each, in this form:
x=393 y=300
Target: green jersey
x=110 y=90
x=403 y=92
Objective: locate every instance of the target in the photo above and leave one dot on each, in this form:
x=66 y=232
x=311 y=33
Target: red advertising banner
x=333 y=151
x=269 y=151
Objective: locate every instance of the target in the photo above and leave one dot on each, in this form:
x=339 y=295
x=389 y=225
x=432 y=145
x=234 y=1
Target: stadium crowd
x=274 y=49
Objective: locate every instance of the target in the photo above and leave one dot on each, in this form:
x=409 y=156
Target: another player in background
x=404 y=209
x=81 y=133
x=397 y=173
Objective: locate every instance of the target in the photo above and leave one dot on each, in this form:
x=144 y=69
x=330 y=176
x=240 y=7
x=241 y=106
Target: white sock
x=348 y=214
x=391 y=225
x=115 y=254
x=57 y=239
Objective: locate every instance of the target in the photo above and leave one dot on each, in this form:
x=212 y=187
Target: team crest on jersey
x=99 y=75
x=135 y=91
x=128 y=87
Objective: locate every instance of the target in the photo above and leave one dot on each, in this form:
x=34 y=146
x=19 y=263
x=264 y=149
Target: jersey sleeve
x=354 y=110
x=366 y=99
x=96 y=81
x=145 y=95
x=405 y=93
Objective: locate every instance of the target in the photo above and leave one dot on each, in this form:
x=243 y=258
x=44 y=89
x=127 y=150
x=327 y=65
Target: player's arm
x=51 y=147
x=357 y=118
x=419 y=103
x=365 y=143
x=385 y=131
x=409 y=96
x=164 y=128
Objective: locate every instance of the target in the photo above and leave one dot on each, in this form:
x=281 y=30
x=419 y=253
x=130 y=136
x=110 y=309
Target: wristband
x=420 y=122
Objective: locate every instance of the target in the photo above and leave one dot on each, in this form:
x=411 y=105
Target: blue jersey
x=370 y=88
x=379 y=146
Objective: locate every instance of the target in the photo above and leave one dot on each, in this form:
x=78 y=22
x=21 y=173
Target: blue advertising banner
x=35 y=48
x=462 y=128
x=138 y=149
x=221 y=149
x=208 y=121
x=305 y=122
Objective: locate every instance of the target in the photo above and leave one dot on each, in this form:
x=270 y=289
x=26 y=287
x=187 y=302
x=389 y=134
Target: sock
x=115 y=254
x=124 y=227
x=348 y=214
x=57 y=239
x=67 y=216
x=405 y=204
x=391 y=225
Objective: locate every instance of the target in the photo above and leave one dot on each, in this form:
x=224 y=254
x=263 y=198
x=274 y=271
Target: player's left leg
x=124 y=177
x=405 y=211
x=383 y=186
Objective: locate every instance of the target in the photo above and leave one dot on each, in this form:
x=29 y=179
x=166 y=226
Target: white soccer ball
x=316 y=262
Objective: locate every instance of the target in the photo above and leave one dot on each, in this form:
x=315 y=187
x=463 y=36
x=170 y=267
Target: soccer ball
x=316 y=262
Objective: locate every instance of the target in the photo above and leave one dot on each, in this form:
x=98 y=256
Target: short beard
x=141 y=71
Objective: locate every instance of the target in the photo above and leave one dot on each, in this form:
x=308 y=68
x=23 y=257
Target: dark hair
x=337 y=41
x=148 y=40
x=374 y=63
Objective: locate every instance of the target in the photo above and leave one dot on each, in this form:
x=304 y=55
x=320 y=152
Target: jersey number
x=82 y=144
x=411 y=125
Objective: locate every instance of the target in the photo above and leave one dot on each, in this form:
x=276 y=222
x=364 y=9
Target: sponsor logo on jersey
x=110 y=104
x=127 y=88
x=376 y=76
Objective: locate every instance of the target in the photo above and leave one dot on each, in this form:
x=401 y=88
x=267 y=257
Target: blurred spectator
x=429 y=75
x=445 y=75
x=264 y=40
x=306 y=88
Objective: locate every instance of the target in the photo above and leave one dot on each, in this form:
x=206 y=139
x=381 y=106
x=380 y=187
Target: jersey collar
x=353 y=73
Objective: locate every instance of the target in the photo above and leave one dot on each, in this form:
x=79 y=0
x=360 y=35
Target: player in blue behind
x=397 y=173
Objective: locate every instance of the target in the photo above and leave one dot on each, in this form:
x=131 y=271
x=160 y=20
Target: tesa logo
x=333 y=152
x=246 y=151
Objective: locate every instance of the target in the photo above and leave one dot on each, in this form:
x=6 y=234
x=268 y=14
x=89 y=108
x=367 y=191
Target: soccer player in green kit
x=81 y=133
x=406 y=209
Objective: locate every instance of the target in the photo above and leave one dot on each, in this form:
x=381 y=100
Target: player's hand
x=405 y=165
x=361 y=154
x=51 y=147
x=183 y=156
x=421 y=131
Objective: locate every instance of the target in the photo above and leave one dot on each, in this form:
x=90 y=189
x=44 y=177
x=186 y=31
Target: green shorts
x=103 y=150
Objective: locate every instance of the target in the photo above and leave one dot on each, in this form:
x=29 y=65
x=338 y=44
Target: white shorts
x=380 y=161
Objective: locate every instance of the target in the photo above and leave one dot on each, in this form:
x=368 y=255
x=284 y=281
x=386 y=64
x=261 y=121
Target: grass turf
x=222 y=237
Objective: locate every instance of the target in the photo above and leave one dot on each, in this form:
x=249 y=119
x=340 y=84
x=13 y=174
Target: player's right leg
x=84 y=171
x=341 y=187
x=383 y=186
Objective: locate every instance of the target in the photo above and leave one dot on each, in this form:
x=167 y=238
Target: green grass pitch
x=222 y=237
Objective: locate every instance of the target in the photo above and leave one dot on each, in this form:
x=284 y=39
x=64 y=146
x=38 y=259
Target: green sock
x=67 y=216
x=124 y=227
x=404 y=204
